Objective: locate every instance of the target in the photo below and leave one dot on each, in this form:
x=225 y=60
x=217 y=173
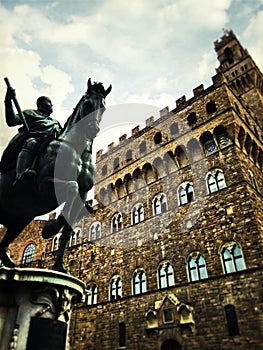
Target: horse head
x=87 y=115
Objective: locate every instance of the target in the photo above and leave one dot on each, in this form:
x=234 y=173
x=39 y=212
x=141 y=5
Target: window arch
x=137 y=214
x=191 y=118
x=95 y=231
x=165 y=275
x=215 y=180
x=92 y=294
x=116 y=163
x=115 y=288
x=142 y=146
x=76 y=237
x=104 y=170
x=222 y=136
x=116 y=223
x=185 y=193
x=231 y=319
x=128 y=155
x=28 y=255
x=211 y=107
x=208 y=143
x=174 y=128
x=158 y=138
x=159 y=204
x=139 y=282
x=56 y=242
x=196 y=267
x=232 y=258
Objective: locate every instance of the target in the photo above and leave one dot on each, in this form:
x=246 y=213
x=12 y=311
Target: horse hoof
x=51 y=228
x=7 y=262
x=60 y=268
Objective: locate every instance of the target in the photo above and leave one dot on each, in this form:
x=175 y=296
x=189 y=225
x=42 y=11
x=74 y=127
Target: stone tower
x=172 y=256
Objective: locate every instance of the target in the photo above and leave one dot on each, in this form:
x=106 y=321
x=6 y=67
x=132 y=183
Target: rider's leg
x=26 y=156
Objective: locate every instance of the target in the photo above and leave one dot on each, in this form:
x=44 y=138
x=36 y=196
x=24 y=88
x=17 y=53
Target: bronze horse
x=65 y=174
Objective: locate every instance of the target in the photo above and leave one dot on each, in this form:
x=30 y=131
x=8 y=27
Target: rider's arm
x=11 y=118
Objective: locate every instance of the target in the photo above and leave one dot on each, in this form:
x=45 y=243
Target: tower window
x=137 y=214
x=211 y=107
x=215 y=180
x=159 y=204
x=104 y=170
x=174 y=128
x=129 y=155
x=142 y=146
x=157 y=138
x=192 y=119
x=229 y=55
x=116 y=223
x=116 y=163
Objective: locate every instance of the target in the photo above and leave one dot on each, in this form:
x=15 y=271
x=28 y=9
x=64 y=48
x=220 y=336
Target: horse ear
x=108 y=91
x=89 y=84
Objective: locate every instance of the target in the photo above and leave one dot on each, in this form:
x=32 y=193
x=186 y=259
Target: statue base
x=35 y=308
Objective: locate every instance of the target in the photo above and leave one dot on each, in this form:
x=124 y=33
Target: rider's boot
x=24 y=174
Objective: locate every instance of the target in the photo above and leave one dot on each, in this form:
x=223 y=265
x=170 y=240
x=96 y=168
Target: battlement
x=224 y=40
x=165 y=112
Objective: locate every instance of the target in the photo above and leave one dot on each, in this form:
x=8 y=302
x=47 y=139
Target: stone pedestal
x=35 y=308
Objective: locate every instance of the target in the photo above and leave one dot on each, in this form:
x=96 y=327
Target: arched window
x=56 y=242
x=28 y=255
x=196 y=267
x=116 y=223
x=104 y=170
x=191 y=118
x=210 y=107
x=231 y=319
x=208 y=143
x=157 y=138
x=174 y=128
x=222 y=136
x=139 y=282
x=166 y=275
x=215 y=180
x=92 y=294
x=115 y=288
x=228 y=55
x=95 y=231
x=232 y=258
x=116 y=163
x=76 y=237
x=142 y=146
x=129 y=155
x=159 y=204
x=137 y=214
x=185 y=193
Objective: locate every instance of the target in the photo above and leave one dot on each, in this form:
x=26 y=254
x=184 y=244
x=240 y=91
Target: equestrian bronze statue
x=46 y=165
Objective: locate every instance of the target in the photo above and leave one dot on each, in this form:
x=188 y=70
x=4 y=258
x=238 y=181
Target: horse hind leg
x=11 y=234
x=59 y=264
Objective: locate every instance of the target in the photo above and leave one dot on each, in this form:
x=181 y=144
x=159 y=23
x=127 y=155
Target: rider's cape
x=10 y=154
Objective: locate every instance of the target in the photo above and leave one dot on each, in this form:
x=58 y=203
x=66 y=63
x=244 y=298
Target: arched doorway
x=171 y=344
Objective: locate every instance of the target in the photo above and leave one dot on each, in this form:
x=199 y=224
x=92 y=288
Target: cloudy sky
x=151 y=51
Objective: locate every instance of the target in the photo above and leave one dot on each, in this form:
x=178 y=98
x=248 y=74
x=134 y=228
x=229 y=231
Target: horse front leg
x=69 y=189
x=59 y=264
